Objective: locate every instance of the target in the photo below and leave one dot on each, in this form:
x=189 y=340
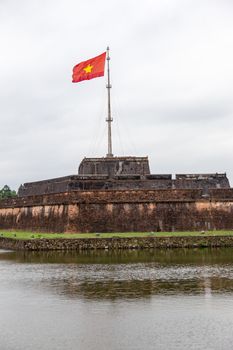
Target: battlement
x=122 y=173
x=200 y=176
x=204 y=181
x=122 y=182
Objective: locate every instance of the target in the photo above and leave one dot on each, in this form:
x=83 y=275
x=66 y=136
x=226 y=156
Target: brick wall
x=124 y=182
x=114 y=211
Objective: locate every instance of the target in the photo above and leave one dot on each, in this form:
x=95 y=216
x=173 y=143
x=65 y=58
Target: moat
x=150 y=299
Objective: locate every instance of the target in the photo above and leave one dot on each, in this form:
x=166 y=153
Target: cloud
x=172 y=77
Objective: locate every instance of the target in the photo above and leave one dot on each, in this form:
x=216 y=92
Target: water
x=159 y=299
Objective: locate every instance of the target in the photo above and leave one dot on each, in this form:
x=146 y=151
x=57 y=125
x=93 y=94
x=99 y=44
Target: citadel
x=119 y=194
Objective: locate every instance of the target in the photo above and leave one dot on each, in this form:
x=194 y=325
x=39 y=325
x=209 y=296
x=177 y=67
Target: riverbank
x=151 y=241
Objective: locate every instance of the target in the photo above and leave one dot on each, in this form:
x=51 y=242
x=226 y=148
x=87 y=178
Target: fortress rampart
x=122 y=173
x=124 y=182
x=119 y=194
x=120 y=211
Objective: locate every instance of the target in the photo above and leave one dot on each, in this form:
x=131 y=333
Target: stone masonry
x=122 y=173
x=120 y=211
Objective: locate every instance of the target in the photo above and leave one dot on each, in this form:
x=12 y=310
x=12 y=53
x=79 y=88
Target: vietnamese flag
x=92 y=68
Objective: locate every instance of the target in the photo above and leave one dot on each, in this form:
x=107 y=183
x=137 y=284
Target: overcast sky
x=172 y=77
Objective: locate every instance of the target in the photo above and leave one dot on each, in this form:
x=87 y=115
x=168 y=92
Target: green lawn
x=33 y=235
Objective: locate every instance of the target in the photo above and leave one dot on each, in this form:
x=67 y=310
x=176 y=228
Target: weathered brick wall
x=124 y=181
x=115 y=211
x=105 y=196
x=114 y=166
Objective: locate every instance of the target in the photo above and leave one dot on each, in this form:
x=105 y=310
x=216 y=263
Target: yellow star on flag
x=88 y=69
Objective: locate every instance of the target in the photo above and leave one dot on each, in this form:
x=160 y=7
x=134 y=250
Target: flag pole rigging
x=109 y=118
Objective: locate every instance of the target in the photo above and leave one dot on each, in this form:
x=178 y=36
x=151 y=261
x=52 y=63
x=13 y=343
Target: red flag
x=89 y=69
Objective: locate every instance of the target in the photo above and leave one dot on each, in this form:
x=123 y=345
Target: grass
x=36 y=235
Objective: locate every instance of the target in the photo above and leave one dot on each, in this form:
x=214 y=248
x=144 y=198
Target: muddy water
x=159 y=299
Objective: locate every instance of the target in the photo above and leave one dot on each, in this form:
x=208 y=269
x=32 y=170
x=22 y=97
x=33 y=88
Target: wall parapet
x=116 y=196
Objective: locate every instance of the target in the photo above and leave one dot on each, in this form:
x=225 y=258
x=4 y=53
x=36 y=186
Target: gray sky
x=172 y=77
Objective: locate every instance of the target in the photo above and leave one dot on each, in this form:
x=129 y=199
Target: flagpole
x=109 y=118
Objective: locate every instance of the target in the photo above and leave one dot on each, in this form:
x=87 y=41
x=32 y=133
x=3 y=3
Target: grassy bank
x=36 y=235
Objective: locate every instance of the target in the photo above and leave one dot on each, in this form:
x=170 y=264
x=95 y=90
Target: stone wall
x=112 y=166
x=116 y=243
x=120 y=211
x=124 y=182
x=204 y=181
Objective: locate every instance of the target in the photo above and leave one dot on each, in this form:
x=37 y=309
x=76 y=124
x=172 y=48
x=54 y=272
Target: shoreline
x=115 y=243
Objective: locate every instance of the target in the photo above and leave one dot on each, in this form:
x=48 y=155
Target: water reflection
x=101 y=275
x=197 y=256
x=143 y=289
x=141 y=300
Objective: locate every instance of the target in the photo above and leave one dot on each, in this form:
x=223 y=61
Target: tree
x=6 y=192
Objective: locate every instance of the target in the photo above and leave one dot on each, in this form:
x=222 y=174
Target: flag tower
x=94 y=68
